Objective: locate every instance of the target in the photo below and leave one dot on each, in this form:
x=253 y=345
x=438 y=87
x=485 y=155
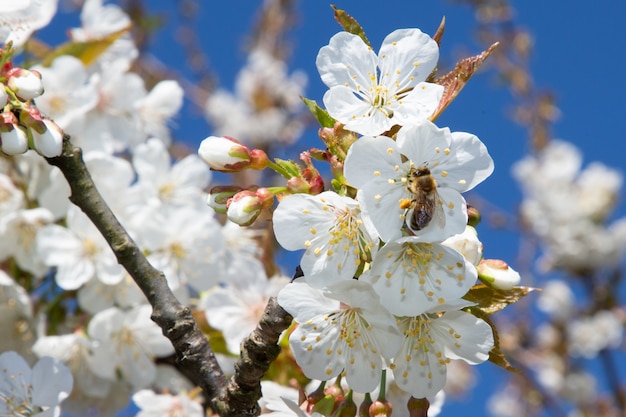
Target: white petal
x=52 y=382
x=345 y=56
x=304 y=302
x=411 y=53
x=465 y=336
x=413 y=277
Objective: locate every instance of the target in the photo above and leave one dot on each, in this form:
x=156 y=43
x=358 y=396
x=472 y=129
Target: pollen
x=389 y=150
x=329 y=351
x=446 y=151
x=377 y=197
x=387 y=274
x=423 y=87
x=329 y=371
x=394 y=43
x=307 y=244
x=462 y=182
x=441 y=300
x=459 y=277
x=437 y=149
x=403 y=291
x=313 y=230
x=317 y=251
x=302 y=338
x=451 y=205
x=416 y=64
x=377 y=173
x=329 y=252
x=305 y=211
x=444 y=173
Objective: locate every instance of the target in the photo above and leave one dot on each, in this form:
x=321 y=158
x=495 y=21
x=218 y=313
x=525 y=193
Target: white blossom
x=20 y=19
x=383 y=170
x=152 y=404
x=336 y=237
x=370 y=93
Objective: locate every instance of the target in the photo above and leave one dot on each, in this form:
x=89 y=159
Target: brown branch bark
x=193 y=352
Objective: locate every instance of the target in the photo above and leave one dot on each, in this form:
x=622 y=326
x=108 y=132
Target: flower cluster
x=384 y=269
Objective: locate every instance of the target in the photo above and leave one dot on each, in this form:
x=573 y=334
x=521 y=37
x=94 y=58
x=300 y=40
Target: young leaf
x=349 y=24
x=455 y=80
x=88 y=51
x=490 y=300
x=321 y=115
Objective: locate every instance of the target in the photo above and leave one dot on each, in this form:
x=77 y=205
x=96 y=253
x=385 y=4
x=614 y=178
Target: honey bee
x=425 y=204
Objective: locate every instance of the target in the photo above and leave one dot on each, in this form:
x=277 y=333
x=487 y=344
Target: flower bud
x=25 y=83
x=219 y=196
x=498 y=274
x=50 y=142
x=380 y=408
x=418 y=407
x=13 y=139
x=473 y=216
x=244 y=208
x=226 y=154
x=346 y=408
x=4 y=97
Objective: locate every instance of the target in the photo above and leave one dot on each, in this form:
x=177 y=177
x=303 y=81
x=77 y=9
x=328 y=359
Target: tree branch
x=193 y=352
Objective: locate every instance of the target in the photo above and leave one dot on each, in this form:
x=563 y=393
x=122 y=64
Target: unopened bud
x=13 y=140
x=25 y=83
x=4 y=97
x=346 y=408
x=226 y=154
x=364 y=408
x=218 y=197
x=473 y=216
x=244 y=208
x=50 y=142
x=498 y=274
x=380 y=409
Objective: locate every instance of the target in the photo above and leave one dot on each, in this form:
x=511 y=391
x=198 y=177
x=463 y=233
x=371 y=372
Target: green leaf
x=349 y=24
x=490 y=300
x=87 y=52
x=321 y=115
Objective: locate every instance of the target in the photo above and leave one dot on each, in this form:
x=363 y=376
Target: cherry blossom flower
x=128 y=341
x=370 y=93
x=341 y=328
x=236 y=307
x=152 y=404
x=383 y=170
x=263 y=107
x=19 y=230
x=412 y=277
x=431 y=340
x=331 y=228
x=32 y=392
x=19 y=19
x=18 y=324
x=79 y=252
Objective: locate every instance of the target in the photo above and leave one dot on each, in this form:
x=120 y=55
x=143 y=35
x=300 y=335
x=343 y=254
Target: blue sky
x=578 y=55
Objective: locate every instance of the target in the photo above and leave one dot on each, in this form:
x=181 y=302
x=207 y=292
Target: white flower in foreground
x=26 y=84
x=331 y=228
x=36 y=392
x=128 y=341
x=412 y=277
x=19 y=19
x=152 y=404
x=431 y=340
x=79 y=252
x=369 y=93
x=49 y=142
x=342 y=328
x=236 y=308
x=384 y=171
